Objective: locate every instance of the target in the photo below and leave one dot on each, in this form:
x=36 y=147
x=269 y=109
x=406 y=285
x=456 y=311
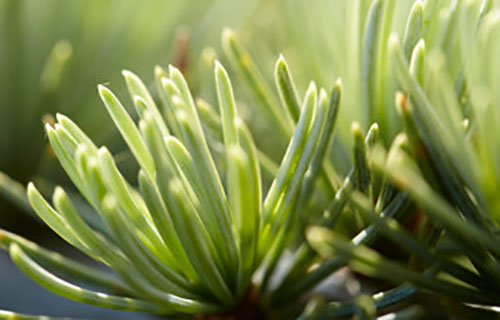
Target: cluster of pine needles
x=216 y=225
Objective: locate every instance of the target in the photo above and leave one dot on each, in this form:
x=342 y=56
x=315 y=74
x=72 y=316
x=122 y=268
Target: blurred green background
x=53 y=53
